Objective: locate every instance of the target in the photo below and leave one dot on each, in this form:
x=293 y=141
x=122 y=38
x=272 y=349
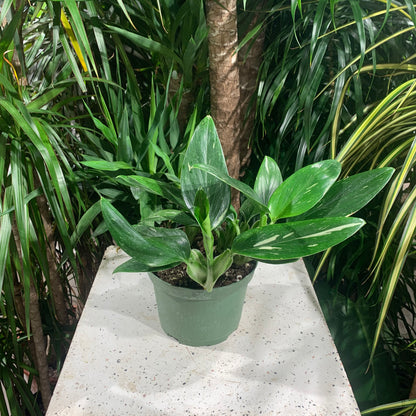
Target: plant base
x=195 y=317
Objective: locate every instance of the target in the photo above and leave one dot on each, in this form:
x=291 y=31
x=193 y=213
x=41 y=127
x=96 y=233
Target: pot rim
x=221 y=289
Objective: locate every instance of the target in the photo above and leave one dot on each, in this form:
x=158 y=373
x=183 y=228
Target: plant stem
x=263 y=220
x=208 y=241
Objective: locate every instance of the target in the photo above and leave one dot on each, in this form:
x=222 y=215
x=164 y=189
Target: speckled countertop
x=281 y=360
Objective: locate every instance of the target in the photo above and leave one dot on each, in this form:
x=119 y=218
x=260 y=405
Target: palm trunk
x=58 y=296
x=225 y=80
x=36 y=329
x=412 y=394
x=39 y=347
x=250 y=58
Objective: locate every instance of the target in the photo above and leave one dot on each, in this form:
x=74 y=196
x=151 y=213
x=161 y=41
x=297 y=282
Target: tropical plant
x=325 y=70
x=41 y=202
x=386 y=137
x=327 y=62
x=316 y=208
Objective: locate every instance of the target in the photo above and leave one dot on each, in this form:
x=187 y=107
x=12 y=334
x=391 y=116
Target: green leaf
x=135 y=266
x=350 y=194
x=267 y=180
x=302 y=190
x=85 y=222
x=240 y=186
x=77 y=25
x=10 y=31
x=222 y=263
x=174 y=215
x=151 y=246
x=410 y=404
x=107 y=166
x=317 y=24
x=358 y=17
x=403 y=249
x=201 y=211
x=205 y=147
x=5 y=234
x=146 y=43
x=295 y=239
x=156 y=187
x=197 y=267
x=45 y=98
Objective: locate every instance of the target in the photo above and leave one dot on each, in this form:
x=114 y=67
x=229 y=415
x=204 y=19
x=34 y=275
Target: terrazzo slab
x=281 y=360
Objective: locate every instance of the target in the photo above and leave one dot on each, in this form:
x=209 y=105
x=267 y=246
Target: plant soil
x=177 y=276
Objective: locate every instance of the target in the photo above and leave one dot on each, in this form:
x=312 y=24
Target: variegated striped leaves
x=315 y=209
x=292 y=240
x=205 y=147
x=151 y=248
x=386 y=137
x=323 y=207
x=316 y=205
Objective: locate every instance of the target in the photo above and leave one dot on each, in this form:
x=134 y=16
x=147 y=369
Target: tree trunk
x=58 y=296
x=39 y=347
x=36 y=329
x=186 y=102
x=225 y=80
x=412 y=394
x=250 y=58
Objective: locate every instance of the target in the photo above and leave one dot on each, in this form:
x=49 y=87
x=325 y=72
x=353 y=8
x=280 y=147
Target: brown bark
x=37 y=339
x=55 y=285
x=187 y=100
x=39 y=347
x=250 y=57
x=225 y=80
x=412 y=394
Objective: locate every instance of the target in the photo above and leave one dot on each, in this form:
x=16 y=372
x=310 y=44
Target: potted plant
x=279 y=221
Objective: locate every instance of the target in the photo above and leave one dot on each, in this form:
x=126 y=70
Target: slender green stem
x=208 y=240
x=263 y=220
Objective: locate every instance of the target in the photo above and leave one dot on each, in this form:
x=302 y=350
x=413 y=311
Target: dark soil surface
x=177 y=276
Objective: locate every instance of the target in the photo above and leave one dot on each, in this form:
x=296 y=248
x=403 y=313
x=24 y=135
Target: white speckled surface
x=281 y=360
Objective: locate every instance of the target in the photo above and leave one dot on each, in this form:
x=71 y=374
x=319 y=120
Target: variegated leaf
x=295 y=239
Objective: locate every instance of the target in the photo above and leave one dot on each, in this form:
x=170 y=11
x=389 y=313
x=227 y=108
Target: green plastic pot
x=196 y=317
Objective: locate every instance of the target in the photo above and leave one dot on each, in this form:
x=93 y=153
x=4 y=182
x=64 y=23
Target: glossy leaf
x=222 y=263
x=104 y=165
x=174 y=215
x=152 y=247
x=145 y=43
x=268 y=179
x=201 y=211
x=240 y=186
x=305 y=188
x=154 y=186
x=135 y=266
x=205 y=148
x=295 y=239
x=197 y=267
x=397 y=266
x=5 y=233
x=349 y=195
